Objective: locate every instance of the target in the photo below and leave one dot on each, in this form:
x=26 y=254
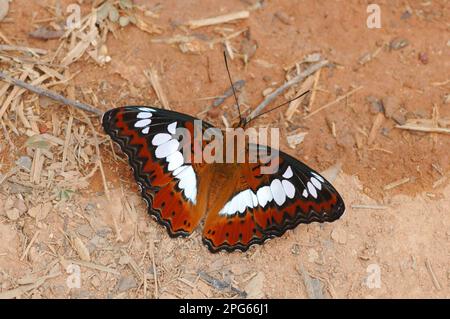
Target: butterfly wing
x=267 y=205
x=168 y=181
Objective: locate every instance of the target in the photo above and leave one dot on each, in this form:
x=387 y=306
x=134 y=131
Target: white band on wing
x=278 y=191
x=167 y=148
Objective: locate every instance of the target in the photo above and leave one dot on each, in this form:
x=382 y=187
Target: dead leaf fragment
x=81 y=249
x=43 y=33
x=295 y=139
x=13 y=214
x=40 y=211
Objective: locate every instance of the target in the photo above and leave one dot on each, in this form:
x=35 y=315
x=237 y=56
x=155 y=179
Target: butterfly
x=238 y=205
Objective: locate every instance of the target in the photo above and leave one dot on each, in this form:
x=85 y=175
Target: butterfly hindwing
x=267 y=205
x=168 y=184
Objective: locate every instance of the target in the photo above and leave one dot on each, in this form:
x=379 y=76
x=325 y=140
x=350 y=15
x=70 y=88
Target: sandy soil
x=401 y=237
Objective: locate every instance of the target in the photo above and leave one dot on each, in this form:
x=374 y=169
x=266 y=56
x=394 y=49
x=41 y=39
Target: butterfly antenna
x=232 y=85
x=277 y=107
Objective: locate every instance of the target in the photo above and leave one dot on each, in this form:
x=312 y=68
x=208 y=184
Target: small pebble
x=126 y=283
x=24 y=162
x=390 y=104
x=400 y=116
x=423 y=57
x=295 y=249
x=283 y=17
x=267 y=78
x=406 y=15
x=375 y=105
x=398 y=43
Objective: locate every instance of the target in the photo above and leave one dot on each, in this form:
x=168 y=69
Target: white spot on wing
x=172 y=128
x=144 y=115
x=320 y=178
x=289 y=188
x=305 y=193
x=175 y=160
x=142 y=123
x=167 y=148
x=278 y=192
x=161 y=138
x=147 y=109
x=241 y=201
x=224 y=210
x=316 y=183
x=146 y=129
x=264 y=196
x=288 y=174
x=311 y=189
x=179 y=170
x=233 y=207
x=188 y=183
x=248 y=198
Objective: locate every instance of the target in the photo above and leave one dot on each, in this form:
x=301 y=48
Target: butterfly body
x=235 y=202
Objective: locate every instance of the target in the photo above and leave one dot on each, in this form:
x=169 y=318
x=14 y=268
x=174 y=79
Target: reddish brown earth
x=408 y=239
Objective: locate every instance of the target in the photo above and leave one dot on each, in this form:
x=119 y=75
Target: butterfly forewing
x=168 y=184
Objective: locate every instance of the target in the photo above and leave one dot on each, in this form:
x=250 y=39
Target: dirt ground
x=65 y=203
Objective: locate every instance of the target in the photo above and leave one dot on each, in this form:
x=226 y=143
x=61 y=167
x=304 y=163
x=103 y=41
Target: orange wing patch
x=172 y=210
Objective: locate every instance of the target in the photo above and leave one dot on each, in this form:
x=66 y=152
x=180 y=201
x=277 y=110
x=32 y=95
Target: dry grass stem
x=300 y=77
x=193 y=24
x=333 y=102
x=153 y=77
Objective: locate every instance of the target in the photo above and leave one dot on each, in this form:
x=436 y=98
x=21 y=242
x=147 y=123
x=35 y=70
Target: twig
x=193 y=24
x=436 y=283
x=93 y=266
x=8 y=174
x=313 y=68
x=417 y=127
x=4 y=38
x=50 y=94
x=239 y=84
x=380 y=149
x=397 y=183
x=25 y=253
x=433 y=125
x=153 y=77
x=437 y=183
x=8 y=138
x=6 y=47
x=314 y=89
x=229 y=92
x=333 y=102
x=17 y=292
x=220 y=284
x=66 y=142
x=376 y=207
x=306 y=85
x=376 y=125
x=155 y=272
